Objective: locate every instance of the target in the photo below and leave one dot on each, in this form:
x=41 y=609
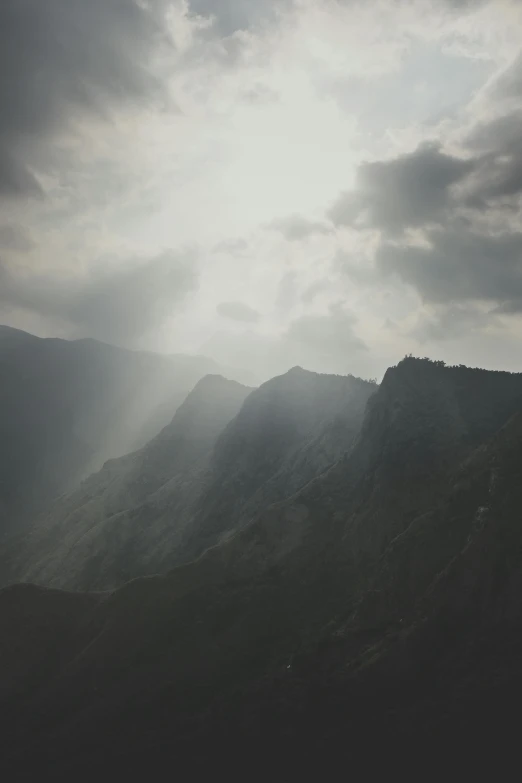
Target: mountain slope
x=380 y=602
x=93 y=534
x=289 y=431
x=66 y=407
x=148 y=511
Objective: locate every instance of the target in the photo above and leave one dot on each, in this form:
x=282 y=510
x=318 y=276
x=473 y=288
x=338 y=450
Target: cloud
x=260 y=127
x=13 y=237
x=448 y=225
x=409 y=191
x=62 y=58
x=16 y=179
x=230 y=16
x=119 y=305
x=326 y=340
x=499 y=143
x=450 y=322
x=459 y=264
x=296 y=228
x=507 y=85
x=287 y=292
x=233 y=247
x=238 y=311
x=314 y=290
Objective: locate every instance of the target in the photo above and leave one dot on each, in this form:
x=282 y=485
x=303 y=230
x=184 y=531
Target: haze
x=268 y=183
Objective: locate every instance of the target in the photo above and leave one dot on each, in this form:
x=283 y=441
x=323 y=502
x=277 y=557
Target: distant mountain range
x=227 y=454
x=66 y=407
x=338 y=578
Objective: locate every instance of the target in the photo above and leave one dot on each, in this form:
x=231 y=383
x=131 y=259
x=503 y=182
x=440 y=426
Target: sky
x=325 y=183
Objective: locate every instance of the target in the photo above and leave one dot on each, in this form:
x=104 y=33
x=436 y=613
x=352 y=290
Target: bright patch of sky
x=223 y=174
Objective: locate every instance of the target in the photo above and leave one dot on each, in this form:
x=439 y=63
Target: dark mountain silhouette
x=375 y=611
x=206 y=475
x=65 y=407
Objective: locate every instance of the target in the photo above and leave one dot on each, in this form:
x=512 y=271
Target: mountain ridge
x=188 y=508
x=66 y=407
x=377 y=605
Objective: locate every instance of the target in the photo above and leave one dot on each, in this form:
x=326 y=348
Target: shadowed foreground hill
x=65 y=407
x=379 y=607
x=226 y=455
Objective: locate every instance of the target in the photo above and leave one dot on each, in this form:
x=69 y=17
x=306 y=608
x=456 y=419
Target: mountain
x=289 y=431
x=123 y=520
x=375 y=611
x=66 y=407
x=206 y=475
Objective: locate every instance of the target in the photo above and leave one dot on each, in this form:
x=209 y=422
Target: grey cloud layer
x=295 y=228
x=410 y=191
x=14 y=238
x=451 y=321
x=232 y=15
x=62 y=56
x=117 y=306
x=465 y=208
x=238 y=311
x=460 y=264
x=330 y=336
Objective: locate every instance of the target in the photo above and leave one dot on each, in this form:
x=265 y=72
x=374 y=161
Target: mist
x=260 y=388
x=268 y=185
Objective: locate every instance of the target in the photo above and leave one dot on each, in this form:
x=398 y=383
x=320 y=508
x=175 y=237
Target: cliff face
x=378 y=604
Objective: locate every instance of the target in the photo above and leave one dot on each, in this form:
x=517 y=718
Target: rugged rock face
x=206 y=475
x=65 y=407
x=378 y=606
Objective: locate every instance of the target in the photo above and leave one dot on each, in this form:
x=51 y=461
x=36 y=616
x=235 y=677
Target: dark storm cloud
x=60 y=57
x=499 y=142
x=409 y=191
x=238 y=311
x=466 y=209
x=459 y=264
x=496 y=140
x=296 y=228
x=494 y=135
x=118 y=305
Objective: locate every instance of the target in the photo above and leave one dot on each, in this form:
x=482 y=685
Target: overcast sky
x=328 y=183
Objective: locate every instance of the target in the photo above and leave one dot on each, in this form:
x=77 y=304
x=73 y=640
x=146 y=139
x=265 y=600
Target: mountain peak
x=215 y=381
x=429 y=406
x=211 y=403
